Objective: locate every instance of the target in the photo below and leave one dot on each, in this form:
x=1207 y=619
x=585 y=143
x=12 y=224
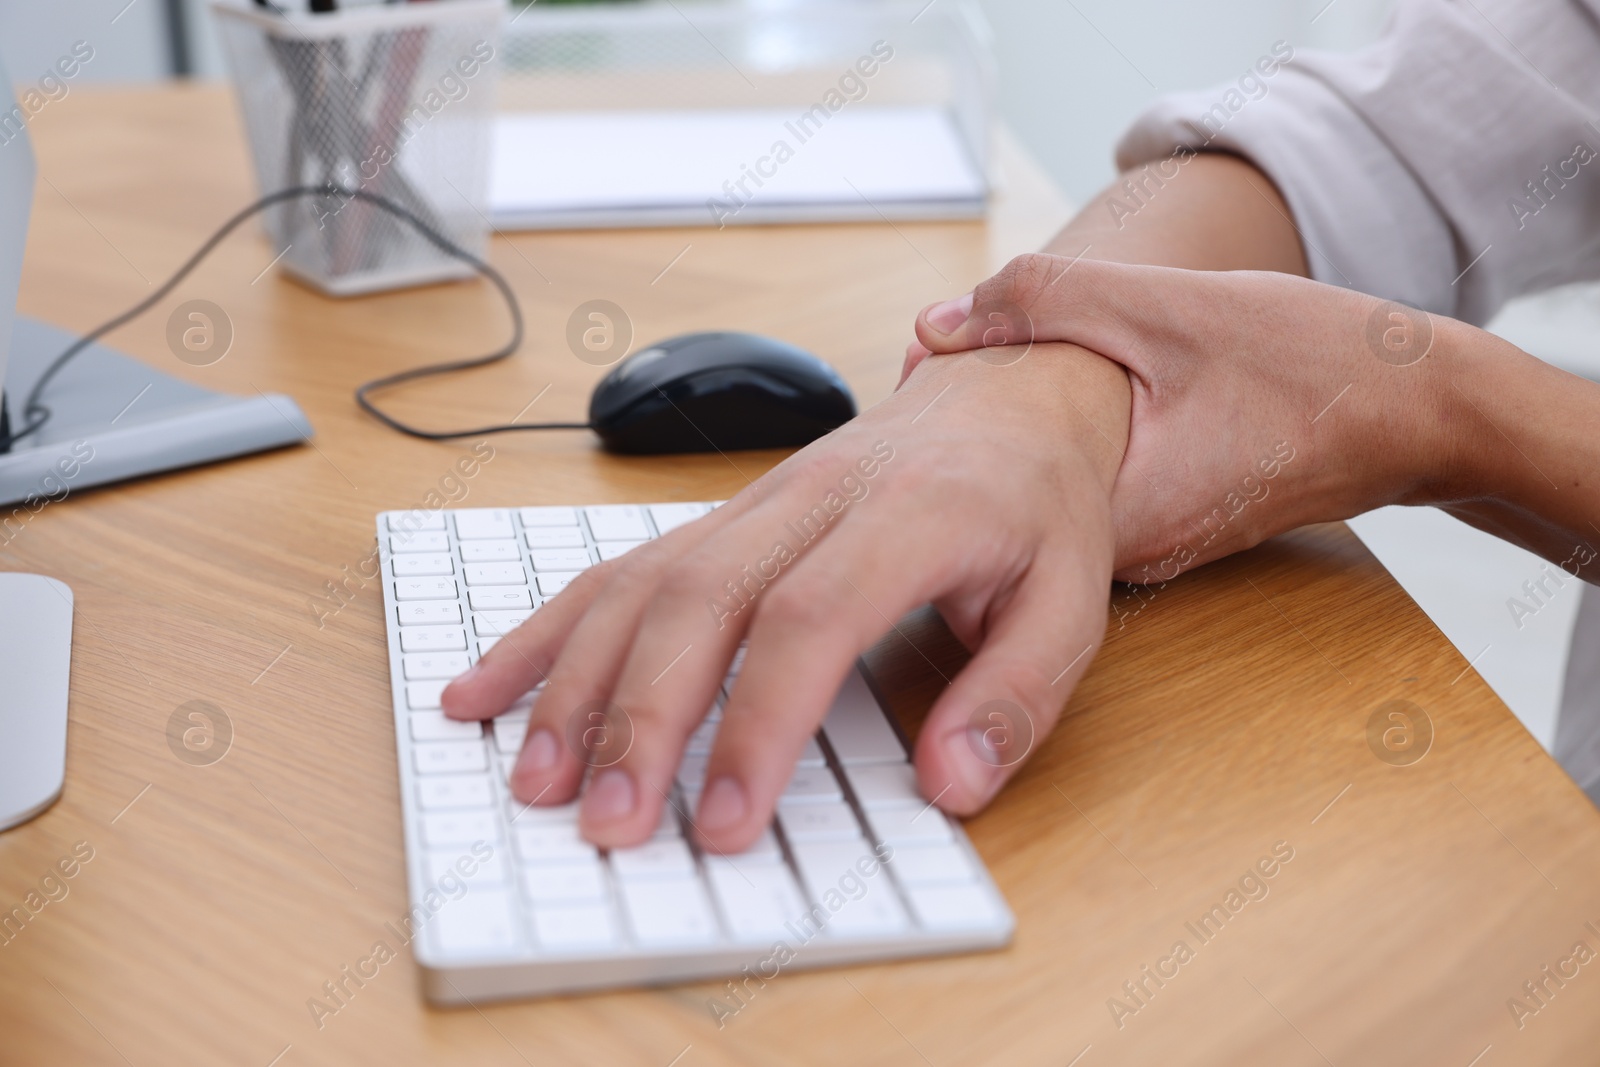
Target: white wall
x=1073 y=75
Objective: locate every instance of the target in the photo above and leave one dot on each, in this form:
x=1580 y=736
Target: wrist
x=1080 y=401
x=1476 y=388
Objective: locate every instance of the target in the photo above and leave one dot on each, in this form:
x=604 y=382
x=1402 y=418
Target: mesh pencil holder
x=394 y=100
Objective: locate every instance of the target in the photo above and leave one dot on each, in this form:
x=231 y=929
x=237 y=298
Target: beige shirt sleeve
x=1452 y=165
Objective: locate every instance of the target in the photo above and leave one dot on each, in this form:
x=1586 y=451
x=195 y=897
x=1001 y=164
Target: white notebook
x=581 y=169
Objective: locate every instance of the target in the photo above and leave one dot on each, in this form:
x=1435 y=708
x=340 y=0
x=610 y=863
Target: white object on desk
x=579 y=169
x=35 y=661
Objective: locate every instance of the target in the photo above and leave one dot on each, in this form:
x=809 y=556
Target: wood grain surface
x=1227 y=716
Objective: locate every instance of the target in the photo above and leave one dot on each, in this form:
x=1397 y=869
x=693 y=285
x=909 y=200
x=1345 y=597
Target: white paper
x=749 y=162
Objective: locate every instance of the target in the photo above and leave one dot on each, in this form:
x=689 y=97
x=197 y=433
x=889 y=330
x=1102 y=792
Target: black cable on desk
x=35 y=414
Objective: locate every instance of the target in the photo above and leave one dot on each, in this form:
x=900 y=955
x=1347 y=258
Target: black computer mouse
x=718 y=391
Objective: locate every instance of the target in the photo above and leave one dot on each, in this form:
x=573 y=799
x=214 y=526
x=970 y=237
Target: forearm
x=1200 y=212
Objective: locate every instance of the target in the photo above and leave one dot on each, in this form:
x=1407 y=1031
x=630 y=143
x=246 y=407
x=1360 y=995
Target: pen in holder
x=395 y=100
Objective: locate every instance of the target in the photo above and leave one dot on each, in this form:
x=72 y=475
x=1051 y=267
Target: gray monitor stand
x=35 y=653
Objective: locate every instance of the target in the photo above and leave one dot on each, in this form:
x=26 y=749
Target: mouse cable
x=35 y=414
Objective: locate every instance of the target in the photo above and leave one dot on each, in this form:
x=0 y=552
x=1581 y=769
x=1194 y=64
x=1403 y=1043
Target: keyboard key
x=811 y=785
x=588 y=926
x=484 y=872
x=521 y=814
x=483 y=524
x=549 y=842
x=857 y=729
x=617 y=522
x=610 y=550
x=757 y=901
x=954 y=907
x=498 y=623
x=415 y=519
x=425 y=589
x=763 y=850
x=424 y=696
x=482 y=923
x=500 y=598
x=433 y=639
x=854 y=903
x=811 y=755
x=443 y=828
x=419 y=542
x=578 y=882
x=434 y=665
x=508 y=734
x=906 y=825
x=555 y=537
x=449 y=757
x=443 y=791
x=878 y=785
x=433 y=726
x=428 y=613
x=421 y=565
x=552 y=582
x=541 y=517
x=490 y=552
x=494 y=574
x=653 y=859
x=669 y=517
x=932 y=865
x=669 y=911
x=818 y=822
x=572 y=559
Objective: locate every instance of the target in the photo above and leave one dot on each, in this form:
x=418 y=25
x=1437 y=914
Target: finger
x=523 y=658
x=808 y=632
x=1007 y=699
x=679 y=656
x=1033 y=299
x=573 y=724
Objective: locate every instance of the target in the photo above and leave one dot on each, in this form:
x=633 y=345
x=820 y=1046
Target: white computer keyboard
x=508 y=900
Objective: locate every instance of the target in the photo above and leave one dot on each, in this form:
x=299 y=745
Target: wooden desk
x=1228 y=715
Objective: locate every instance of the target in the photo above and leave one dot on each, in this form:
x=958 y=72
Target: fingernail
x=724 y=805
x=610 y=796
x=541 y=751
x=978 y=779
x=465 y=676
x=947 y=316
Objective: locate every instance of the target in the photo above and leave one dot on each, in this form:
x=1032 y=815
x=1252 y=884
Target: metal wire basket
x=393 y=100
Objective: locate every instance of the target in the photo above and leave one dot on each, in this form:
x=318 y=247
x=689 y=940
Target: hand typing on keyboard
x=979 y=487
